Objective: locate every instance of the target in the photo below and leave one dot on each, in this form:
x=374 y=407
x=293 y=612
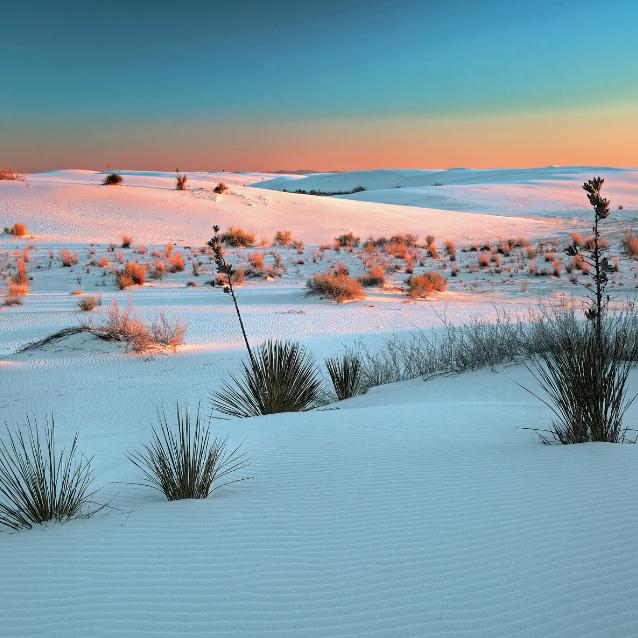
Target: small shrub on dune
x=238 y=237
x=89 y=302
x=335 y=286
x=630 y=245
x=347 y=240
x=346 y=376
x=127 y=240
x=158 y=269
x=122 y=325
x=21 y=277
x=237 y=278
x=256 y=260
x=283 y=238
x=176 y=262
x=38 y=484
x=9 y=174
x=187 y=462
x=167 y=334
x=424 y=285
x=13 y=295
x=374 y=276
x=18 y=230
x=66 y=258
x=133 y=274
x=181 y=180
x=281 y=377
x=113 y=179
x=220 y=189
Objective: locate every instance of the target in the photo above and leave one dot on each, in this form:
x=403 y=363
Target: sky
x=329 y=85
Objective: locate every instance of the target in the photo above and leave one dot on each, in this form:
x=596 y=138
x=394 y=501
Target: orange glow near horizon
x=594 y=136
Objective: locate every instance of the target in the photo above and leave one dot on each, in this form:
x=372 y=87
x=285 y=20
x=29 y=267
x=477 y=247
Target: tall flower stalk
x=224 y=268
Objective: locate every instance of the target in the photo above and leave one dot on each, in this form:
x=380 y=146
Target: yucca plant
x=584 y=370
x=585 y=379
x=346 y=375
x=281 y=377
x=39 y=484
x=187 y=462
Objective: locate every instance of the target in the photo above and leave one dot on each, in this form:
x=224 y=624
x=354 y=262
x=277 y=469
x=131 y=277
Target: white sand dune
x=72 y=206
x=419 y=509
x=551 y=191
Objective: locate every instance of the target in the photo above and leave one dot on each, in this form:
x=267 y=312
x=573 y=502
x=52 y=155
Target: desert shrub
x=176 y=262
x=188 y=462
x=346 y=376
x=38 y=484
x=89 y=302
x=424 y=285
x=167 y=334
x=66 y=258
x=256 y=260
x=21 y=277
x=220 y=189
x=283 y=238
x=127 y=240
x=9 y=174
x=236 y=236
x=180 y=180
x=122 y=325
x=237 y=278
x=347 y=240
x=133 y=274
x=374 y=276
x=335 y=286
x=13 y=295
x=630 y=244
x=112 y=179
x=19 y=230
x=158 y=269
x=282 y=377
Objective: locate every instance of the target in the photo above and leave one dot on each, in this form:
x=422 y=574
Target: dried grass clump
x=89 y=302
x=38 y=484
x=630 y=245
x=424 y=285
x=122 y=325
x=220 y=189
x=347 y=240
x=176 y=262
x=336 y=286
x=127 y=240
x=133 y=274
x=113 y=179
x=9 y=174
x=67 y=258
x=374 y=276
x=13 y=295
x=167 y=334
x=188 y=463
x=238 y=237
x=283 y=238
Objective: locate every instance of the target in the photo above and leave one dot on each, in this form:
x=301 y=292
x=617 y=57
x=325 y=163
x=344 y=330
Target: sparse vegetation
x=89 y=302
x=281 y=377
x=38 y=484
x=336 y=286
x=188 y=462
x=424 y=285
x=220 y=189
x=180 y=181
x=9 y=174
x=346 y=376
x=113 y=179
x=238 y=237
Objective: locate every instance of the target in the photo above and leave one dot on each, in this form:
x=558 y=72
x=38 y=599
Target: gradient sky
x=324 y=85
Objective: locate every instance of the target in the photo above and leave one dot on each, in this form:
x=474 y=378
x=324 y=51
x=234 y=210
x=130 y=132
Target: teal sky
x=262 y=84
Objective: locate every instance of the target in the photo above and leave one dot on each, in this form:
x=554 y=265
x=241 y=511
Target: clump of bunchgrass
x=282 y=376
x=38 y=484
x=112 y=179
x=336 y=285
x=187 y=461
